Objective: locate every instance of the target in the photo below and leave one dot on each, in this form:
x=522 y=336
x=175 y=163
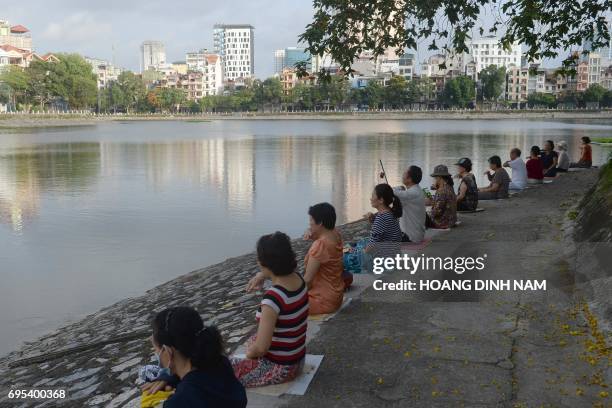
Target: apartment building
x=235 y=44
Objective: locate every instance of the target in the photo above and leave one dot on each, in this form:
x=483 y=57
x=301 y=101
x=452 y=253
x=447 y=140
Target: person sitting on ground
x=323 y=266
x=467 y=194
x=586 y=154
x=275 y=355
x=535 y=170
x=519 y=170
x=412 y=222
x=443 y=212
x=195 y=355
x=564 y=161
x=499 y=181
x=549 y=159
x=385 y=234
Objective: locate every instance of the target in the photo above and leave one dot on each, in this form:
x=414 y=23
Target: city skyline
x=100 y=32
x=94 y=30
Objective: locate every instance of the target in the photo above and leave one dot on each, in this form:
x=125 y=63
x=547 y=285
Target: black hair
x=183 y=328
x=415 y=173
x=496 y=160
x=323 y=213
x=467 y=166
x=517 y=151
x=586 y=139
x=448 y=179
x=552 y=144
x=535 y=150
x=274 y=252
x=385 y=192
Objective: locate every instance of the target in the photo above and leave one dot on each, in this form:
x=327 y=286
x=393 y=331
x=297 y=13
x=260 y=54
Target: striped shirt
x=289 y=338
x=385 y=228
x=385 y=236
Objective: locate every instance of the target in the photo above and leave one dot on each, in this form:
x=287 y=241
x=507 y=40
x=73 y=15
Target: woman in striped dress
x=276 y=353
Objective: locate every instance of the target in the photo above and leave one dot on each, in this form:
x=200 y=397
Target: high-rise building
x=289 y=57
x=279 y=61
x=235 y=43
x=152 y=55
x=16 y=36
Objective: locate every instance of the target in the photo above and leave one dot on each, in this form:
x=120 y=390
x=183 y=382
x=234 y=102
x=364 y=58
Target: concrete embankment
x=45 y=120
x=486 y=348
x=97 y=359
x=397 y=349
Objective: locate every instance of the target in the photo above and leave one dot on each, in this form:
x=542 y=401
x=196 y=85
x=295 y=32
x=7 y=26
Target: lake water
x=92 y=215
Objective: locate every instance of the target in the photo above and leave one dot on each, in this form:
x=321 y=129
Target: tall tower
x=235 y=43
x=152 y=55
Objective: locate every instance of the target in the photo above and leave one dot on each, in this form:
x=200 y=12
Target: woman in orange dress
x=586 y=154
x=323 y=263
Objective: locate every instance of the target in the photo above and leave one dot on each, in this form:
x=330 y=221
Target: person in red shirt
x=535 y=169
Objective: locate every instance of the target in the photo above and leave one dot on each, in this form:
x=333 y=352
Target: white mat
x=299 y=386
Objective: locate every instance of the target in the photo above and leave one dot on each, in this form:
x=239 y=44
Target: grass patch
x=602 y=139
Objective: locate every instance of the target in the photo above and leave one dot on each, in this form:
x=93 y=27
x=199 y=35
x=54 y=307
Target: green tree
x=594 y=93
x=334 y=92
x=541 y=100
x=41 y=87
x=492 y=80
x=395 y=93
x=458 y=92
x=267 y=92
x=303 y=96
x=131 y=90
x=171 y=99
x=72 y=80
x=374 y=94
x=345 y=28
x=17 y=80
x=606 y=100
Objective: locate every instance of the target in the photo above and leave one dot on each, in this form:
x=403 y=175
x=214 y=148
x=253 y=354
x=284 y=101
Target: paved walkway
x=474 y=349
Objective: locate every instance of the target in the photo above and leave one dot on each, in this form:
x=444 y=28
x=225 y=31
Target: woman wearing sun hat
x=443 y=212
x=564 y=160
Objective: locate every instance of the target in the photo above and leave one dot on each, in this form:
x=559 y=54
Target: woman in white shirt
x=563 y=163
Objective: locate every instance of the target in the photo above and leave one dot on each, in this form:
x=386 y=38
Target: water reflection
x=109 y=211
x=25 y=173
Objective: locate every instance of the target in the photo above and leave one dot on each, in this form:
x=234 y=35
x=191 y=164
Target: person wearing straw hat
x=563 y=163
x=443 y=212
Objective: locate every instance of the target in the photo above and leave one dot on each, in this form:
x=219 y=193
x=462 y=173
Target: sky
x=94 y=29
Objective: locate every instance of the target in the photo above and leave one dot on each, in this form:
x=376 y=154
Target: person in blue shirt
x=201 y=373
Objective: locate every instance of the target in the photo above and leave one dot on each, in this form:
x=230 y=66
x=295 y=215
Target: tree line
x=70 y=84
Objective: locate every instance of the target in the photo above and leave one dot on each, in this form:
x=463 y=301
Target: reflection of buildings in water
x=19 y=192
x=240 y=175
x=227 y=166
x=26 y=173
